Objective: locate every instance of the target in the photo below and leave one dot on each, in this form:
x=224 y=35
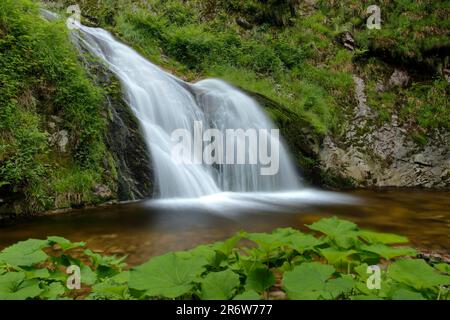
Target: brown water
x=142 y=231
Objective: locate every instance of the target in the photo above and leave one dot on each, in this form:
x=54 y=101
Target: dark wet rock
x=133 y=168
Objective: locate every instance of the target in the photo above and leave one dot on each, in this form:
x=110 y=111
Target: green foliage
x=35 y=269
x=320 y=269
x=41 y=78
x=169 y=276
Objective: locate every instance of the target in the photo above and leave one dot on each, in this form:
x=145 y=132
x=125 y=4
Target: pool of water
x=150 y=228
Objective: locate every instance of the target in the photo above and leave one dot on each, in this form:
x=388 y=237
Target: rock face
x=386 y=156
x=130 y=153
x=124 y=140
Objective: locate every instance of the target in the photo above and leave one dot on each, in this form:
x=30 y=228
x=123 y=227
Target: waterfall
x=163 y=103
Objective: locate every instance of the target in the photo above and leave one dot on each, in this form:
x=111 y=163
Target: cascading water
x=162 y=103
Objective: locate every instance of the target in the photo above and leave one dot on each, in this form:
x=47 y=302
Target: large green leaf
x=13 y=286
x=247 y=264
x=53 y=291
x=109 y=290
x=388 y=252
x=248 y=295
x=443 y=267
x=335 y=256
x=168 y=276
x=24 y=253
x=64 y=243
x=88 y=276
x=417 y=274
x=36 y=273
x=365 y=297
x=228 y=245
x=219 y=285
x=343 y=233
x=207 y=253
x=333 y=227
x=307 y=281
x=106 y=261
x=302 y=242
x=267 y=242
x=361 y=270
x=260 y=280
x=378 y=237
x=336 y=287
x=405 y=294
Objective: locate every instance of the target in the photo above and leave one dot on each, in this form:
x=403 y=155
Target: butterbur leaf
x=248 y=295
x=307 y=281
x=343 y=233
x=37 y=273
x=88 y=276
x=260 y=280
x=122 y=277
x=13 y=286
x=106 y=261
x=405 y=294
x=361 y=270
x=301 y=242
x=365 y=297
x=335 y=256
x=443 y=267
x=228 y=245
x=109 y=290
x=53 y=291
x=219 y=285
x=207 y=253
x=285 y=232
x=168 y=276
x=346 y=241
x=336 y=287
x=266 y=242
x=248 y=264
x=417 y=274
x=64 y=243
x=378 y=237
x=333 y=227
x=24 y=253
x=388 y=252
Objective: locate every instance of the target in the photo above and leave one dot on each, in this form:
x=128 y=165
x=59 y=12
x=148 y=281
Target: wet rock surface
x=133 y=167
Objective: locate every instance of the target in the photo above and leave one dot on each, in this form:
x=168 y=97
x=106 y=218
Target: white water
x=163 y=103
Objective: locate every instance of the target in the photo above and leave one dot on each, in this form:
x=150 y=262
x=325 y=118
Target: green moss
x=41 y=76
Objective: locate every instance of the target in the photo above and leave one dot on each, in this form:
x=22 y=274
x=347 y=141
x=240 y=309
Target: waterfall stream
x=163 y=103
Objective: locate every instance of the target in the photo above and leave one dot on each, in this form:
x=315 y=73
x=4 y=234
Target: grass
x=294 y=60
